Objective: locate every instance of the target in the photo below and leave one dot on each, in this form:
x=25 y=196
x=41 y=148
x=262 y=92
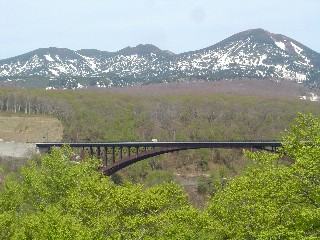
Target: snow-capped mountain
x=251 y=54
x=254 y=53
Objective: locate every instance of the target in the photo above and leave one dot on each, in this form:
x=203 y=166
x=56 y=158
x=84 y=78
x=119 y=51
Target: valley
x=159 y=120
x=250 y=109
x=192 y=181
x=249 y=86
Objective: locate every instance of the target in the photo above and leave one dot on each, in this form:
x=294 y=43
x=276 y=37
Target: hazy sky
x=175 y=25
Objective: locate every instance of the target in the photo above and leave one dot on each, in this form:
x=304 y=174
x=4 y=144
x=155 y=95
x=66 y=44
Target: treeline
x=33 y=102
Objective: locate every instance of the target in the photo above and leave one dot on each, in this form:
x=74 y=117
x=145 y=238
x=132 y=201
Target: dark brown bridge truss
x=118 y=155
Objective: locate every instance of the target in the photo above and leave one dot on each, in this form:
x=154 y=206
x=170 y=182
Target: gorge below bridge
x=118 y=155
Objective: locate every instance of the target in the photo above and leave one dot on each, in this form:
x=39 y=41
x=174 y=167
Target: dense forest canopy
x=98 y=116
x=274 y=198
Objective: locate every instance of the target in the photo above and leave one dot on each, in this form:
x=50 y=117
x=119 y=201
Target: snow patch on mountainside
x=54 y=72
x=280 y=45
x=312 y=97
x=49 y=58
x=296 y=48
x=91 y=62
x=262 y=58
x=288 y=74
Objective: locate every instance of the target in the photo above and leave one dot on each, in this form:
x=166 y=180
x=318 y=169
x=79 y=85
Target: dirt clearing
x=25 y=128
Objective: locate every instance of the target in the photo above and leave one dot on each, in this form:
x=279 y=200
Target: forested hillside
x=104 y=116
x=100 y=116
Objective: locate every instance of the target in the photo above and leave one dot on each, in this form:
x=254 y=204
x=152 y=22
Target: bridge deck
x=213 y=144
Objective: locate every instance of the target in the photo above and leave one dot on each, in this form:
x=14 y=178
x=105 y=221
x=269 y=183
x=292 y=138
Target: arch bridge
x=118 y=155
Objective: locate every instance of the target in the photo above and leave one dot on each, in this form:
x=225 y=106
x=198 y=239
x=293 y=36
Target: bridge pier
x=105 y=156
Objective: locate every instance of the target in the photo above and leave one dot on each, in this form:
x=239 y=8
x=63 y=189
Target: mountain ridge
x=254 y=53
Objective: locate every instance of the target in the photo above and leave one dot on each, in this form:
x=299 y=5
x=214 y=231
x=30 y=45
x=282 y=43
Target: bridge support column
x=98 y=152
x=82 y=153
x=129 y=152
x=120 y=152
x=113 y=155
x=105 y=156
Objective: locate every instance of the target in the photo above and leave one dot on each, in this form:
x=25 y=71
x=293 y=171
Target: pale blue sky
x=175 y=25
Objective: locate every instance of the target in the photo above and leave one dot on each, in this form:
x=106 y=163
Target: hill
x=254 y=53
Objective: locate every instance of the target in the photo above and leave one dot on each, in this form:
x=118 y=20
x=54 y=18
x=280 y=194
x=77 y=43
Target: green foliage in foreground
x=62 y=199
x=272 y=199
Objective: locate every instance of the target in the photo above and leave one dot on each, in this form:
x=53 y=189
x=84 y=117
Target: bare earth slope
x=21 y=128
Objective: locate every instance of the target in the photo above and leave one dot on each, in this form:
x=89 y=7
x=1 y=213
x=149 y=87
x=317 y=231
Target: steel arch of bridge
x=118 y=155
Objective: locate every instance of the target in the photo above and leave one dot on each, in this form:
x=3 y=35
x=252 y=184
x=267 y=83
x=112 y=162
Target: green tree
x=62 y=199
x=272 y=200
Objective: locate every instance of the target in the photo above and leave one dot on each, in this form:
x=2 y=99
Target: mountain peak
x=256 y=31
x=258 y=35
x=143 y=49
x=95 y=52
